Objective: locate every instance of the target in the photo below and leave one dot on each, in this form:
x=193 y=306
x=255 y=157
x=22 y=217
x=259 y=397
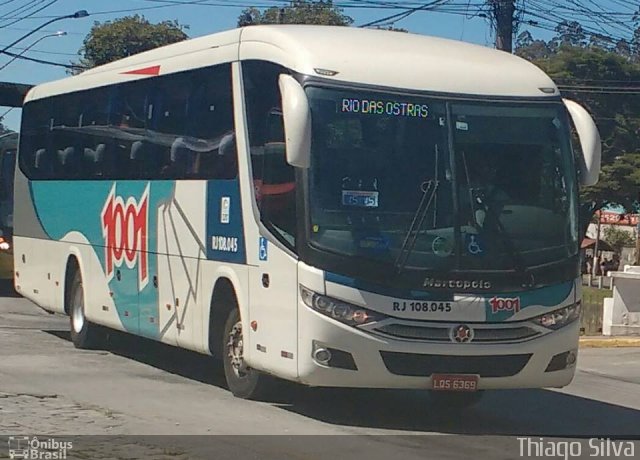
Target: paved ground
x=602 y=341
x=142 y=388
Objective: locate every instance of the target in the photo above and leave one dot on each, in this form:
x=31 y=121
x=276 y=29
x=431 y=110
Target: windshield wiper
x=410 y=238
x=507 y=242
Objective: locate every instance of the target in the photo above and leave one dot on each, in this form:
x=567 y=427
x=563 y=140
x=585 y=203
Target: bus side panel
x=272 y=344
x=180 y=256
x=238 y=275
x=273 y=290
x=168 y=320
x=34 y=263
x=117 y=221
x=99 y=304
x=31 y=243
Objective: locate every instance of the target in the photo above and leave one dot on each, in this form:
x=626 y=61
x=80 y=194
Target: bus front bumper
x=363 y=360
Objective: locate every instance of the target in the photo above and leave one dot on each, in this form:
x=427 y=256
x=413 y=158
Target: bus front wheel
x=84 y=334
x=242 y=381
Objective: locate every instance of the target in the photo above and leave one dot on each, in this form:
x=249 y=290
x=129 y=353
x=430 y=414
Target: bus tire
x=242 y=381
x=84 y=334
x=455 y=399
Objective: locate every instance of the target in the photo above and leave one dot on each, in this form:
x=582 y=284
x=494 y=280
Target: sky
x=201 y=19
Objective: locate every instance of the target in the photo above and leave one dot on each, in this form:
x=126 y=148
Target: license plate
x=454 y=382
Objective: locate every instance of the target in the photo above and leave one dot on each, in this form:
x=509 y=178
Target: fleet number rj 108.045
x=422 y=306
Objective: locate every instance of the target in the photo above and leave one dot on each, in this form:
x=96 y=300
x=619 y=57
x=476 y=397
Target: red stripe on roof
x=153 y=70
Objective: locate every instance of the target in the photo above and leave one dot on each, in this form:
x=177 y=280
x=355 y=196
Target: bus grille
x=419 y=365
x=441 y=333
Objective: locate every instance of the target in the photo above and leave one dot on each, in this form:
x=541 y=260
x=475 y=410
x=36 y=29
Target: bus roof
x=365 y=56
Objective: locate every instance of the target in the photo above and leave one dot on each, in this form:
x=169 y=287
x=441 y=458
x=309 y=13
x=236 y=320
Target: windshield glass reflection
x=386 y=184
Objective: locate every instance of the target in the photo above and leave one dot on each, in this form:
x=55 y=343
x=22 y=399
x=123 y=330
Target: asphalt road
x=138 y=387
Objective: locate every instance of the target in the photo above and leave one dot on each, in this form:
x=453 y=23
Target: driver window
x=273 y=177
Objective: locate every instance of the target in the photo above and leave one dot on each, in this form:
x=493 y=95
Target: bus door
x=273 y=281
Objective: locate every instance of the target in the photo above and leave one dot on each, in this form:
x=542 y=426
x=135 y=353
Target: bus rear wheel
x=84 y=334
x=455 y=399
x=243 y=382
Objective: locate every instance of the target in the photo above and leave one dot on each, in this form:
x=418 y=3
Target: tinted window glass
x=178 y=126
x=273 y=177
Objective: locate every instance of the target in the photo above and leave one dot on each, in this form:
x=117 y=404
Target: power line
x=33 y=6
x=404 y=14
x=42 y=61
x=27 y=29
x=6 y=113
x=59 y=53
x=19 y=9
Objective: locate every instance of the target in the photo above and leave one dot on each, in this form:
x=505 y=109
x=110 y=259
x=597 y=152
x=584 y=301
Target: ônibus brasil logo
x=124 y=228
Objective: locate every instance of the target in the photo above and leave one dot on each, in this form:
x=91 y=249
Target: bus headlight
x=559 y=318
x=344 y=312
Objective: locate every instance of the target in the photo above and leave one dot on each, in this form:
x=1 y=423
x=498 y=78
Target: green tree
x=569 y=33
x=529 y=48
x=616 y=112
x=583 y=73
x=297 y=12
x=618 y=238
x=113 y=40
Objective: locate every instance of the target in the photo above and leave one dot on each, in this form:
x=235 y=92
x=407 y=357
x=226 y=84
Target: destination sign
x=389 y=108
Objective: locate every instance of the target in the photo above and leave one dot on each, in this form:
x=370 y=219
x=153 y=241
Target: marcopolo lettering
x=456 y=284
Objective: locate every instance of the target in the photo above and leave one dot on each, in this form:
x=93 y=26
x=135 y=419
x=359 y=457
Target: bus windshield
x=425 y=183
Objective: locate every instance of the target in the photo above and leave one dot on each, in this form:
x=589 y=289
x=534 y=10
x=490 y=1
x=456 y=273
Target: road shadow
x=7 y=289
x=185 y=363
x=543 y=413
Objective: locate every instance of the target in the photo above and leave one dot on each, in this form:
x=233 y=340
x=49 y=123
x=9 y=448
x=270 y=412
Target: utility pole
x=596 y=249
x=504 y=16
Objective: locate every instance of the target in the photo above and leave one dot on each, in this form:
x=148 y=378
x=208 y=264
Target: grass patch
x=592 y=302
x=595 y=295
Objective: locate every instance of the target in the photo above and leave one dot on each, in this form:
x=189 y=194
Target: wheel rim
x=235 y=349
x=77 y=310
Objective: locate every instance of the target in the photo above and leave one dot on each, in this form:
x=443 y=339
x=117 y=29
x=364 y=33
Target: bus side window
x=42 y=164
x=129 y=105
x=35 y=155
x=67 y=162
x=273 y=177
x=94 y=161
x=170 y=107
x=210 y=125
x=181 y=158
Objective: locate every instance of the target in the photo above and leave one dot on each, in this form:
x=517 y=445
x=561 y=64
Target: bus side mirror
x=589 y=141
x=296 y=116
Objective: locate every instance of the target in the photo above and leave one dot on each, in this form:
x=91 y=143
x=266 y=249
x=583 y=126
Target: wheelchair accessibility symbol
x=262 y=251
x=474 y=246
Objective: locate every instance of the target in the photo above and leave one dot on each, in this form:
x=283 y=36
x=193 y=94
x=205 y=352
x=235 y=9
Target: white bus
x=331 y=206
